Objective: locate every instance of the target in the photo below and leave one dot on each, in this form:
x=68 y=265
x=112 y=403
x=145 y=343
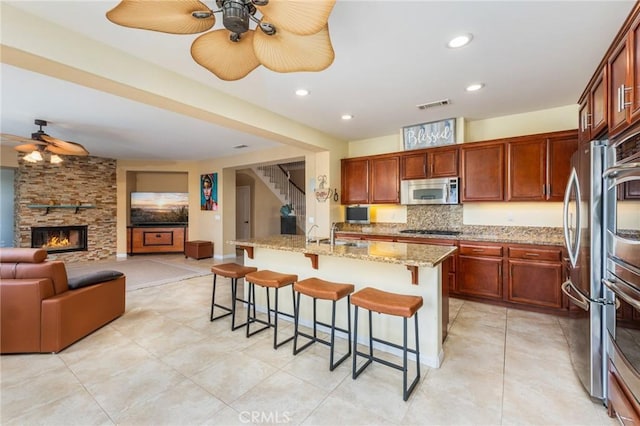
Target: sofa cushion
x=22 y=255
x=93 y=278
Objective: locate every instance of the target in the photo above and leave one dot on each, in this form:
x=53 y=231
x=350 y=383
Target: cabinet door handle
x=477 y=250
x=544 y=189
x=622 y=91
x=531 y=254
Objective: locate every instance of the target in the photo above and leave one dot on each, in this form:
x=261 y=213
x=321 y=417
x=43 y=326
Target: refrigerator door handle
x=629 y=295
x=572 y=246
x=580 y=301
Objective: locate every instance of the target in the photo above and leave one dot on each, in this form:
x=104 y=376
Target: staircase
x=278 y=179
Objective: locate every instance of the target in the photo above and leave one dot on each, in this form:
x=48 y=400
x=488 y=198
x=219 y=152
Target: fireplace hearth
x=59 y=239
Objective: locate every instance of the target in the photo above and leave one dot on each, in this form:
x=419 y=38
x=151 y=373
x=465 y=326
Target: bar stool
x=234 y=272
x=394 y=304
x=268 y=279
x=324 y=290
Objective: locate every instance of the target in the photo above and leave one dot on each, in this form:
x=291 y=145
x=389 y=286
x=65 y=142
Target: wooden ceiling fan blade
x=9 y=138
x=64 y=147
x=167 y=16
x=28 y=147
x=302 y=17
x=228 y=60
x=289 y=52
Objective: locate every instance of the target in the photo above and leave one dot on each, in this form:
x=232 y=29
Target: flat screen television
x=159 y=208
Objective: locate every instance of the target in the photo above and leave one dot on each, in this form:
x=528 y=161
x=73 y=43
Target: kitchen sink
x=347 y=243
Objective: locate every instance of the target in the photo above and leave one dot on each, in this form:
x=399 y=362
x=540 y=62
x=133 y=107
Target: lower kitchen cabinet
x=535 y=276
x=479 y=271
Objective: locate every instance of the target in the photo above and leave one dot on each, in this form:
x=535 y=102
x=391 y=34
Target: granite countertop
x=377 y=251
x=497 y=234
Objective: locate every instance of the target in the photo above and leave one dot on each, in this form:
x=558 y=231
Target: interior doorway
x=243 y=212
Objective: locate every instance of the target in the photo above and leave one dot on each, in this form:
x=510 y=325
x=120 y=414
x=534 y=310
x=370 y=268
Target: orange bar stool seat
x=324 y=290
x=235 y=272
x=268 y=279
x=405 y=306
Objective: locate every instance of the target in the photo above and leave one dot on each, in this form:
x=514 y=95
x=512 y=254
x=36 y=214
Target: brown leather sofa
x=38 y=310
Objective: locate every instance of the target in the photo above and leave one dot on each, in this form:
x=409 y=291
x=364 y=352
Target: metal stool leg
x=229 y=311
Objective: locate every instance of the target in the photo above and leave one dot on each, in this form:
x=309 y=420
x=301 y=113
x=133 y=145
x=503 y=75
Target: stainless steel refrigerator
x=583 y=231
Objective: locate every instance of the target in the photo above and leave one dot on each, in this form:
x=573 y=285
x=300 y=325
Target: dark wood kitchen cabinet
x=384 y=180
x=355 y=181
x=535 y=276
x=538 y=166
x=371 y=180
x=483 y=171
x=593 y=108
x=430 y=163
x=623 y=79
x=480 y=270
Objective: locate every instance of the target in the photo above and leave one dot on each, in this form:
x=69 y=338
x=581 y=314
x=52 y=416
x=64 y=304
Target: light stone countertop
x=425 y=255
x=495 y=234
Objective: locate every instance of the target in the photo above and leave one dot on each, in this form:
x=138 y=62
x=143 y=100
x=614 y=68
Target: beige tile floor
x=165 y=363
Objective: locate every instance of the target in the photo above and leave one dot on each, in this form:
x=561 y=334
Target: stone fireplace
x=59 y=239
x=87 y=181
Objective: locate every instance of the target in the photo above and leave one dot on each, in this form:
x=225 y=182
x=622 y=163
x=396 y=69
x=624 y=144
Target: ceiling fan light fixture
x=34 y=157
x=55 y=159
x=293 y=36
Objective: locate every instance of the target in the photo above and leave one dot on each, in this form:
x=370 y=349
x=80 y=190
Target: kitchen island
x=402 y=268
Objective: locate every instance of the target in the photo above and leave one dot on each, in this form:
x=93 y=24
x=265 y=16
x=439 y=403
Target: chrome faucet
x=309 y=232
x=332 y=234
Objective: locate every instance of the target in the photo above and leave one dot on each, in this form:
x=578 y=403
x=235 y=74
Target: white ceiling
x=390 y=56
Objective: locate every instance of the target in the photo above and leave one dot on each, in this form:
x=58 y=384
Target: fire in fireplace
x=58 y=239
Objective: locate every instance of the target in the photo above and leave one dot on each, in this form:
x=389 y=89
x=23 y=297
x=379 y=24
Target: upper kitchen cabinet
x=355 y=181
x=538 y=166
x=482 y=171
x=430 y=163
x=371 y=180
x=593 y=108
x=384 y=180
x=623 y=77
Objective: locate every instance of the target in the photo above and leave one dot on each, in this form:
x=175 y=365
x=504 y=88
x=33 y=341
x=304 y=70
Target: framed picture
x=209 y=191
x=427 y=135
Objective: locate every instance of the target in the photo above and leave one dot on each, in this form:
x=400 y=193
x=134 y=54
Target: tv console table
x=143 y=239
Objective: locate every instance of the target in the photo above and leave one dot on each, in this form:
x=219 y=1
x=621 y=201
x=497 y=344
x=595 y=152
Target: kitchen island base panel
x=389 y=277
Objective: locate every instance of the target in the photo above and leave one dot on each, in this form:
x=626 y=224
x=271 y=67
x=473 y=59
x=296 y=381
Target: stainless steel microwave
x=429 y=191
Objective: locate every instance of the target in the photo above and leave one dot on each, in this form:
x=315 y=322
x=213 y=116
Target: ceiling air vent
x=434 y=104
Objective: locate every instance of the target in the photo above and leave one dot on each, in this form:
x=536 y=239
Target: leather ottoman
x=198 y=249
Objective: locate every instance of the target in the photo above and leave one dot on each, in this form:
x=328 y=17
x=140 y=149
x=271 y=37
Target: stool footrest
x=221 y=315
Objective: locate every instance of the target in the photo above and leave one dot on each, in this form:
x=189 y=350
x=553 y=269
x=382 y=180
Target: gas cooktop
x=429 y=232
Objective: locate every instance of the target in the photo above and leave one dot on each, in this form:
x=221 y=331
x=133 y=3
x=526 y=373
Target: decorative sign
x=426 y=135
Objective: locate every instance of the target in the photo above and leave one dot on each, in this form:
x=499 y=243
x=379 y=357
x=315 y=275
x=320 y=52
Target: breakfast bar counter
x=412 y=269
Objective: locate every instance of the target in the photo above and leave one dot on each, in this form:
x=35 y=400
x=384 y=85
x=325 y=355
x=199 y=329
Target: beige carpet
x=141 y=273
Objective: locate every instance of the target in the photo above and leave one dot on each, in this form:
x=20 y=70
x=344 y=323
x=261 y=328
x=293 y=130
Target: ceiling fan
x=293 y=35
x=41 y=142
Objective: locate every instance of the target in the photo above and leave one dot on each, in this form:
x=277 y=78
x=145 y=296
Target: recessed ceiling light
x=302 y=92
x=459 y=41
x=475 y=86
x=346 y=116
